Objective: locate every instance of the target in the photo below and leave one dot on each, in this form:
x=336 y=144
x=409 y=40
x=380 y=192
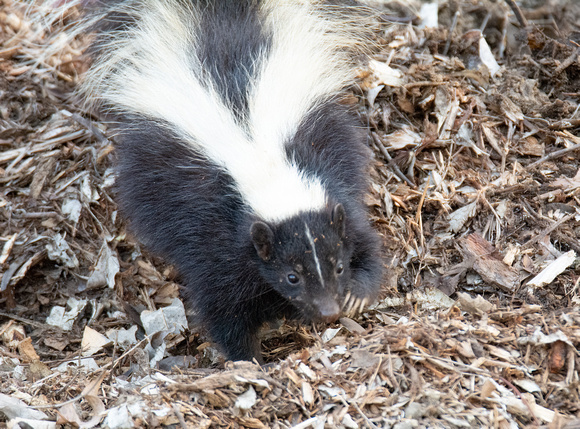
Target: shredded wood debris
x=474 y=120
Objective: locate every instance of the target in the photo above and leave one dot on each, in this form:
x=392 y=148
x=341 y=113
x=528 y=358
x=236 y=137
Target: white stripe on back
x=151 y=70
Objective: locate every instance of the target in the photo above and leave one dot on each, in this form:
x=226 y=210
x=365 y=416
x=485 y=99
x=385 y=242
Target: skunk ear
x=338 y=216
x=263 y=239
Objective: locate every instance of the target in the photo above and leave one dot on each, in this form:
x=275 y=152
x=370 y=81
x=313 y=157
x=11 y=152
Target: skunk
x=238 y=159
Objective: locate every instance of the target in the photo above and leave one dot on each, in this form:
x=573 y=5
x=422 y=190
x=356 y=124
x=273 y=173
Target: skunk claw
x=355 y=305
x=363 y=304
x=346 y=298
x=350 y=305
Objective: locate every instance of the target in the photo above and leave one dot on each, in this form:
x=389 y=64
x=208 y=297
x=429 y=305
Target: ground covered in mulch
x=475 y=189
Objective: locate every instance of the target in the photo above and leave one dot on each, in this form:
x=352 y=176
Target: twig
x=565 y=123
x=553 y=155
x=423 y=83
x=366 y=419
x=418 y=218
x=518 y=13
x=485 y=21
x=449 y=36
x=22 y=319
x=179 y=416
x=567 y=62
x=390 y=162
x=548 y=230
x=113 y=365
x=390 y=371
x=80 y=396
x=99 y=135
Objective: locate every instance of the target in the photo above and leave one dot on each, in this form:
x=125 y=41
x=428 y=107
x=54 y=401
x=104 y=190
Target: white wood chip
x=458 y=218
x=548 y=274
x=305 y=370
x=527 y=385
x=348 y=422
x=329 y=334
x=517 y=406
x=7 y=248
x=487 y=57
x=428 y=15
x=106 y=268
x=313 y=422
x=246 y=400
x=385 y=74
x=307 y=393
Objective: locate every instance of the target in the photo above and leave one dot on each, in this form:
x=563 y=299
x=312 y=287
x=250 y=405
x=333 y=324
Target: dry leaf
x=26 y=350
x=93 y=341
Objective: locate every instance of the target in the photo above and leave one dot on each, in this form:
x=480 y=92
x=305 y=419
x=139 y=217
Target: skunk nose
x=328 y=310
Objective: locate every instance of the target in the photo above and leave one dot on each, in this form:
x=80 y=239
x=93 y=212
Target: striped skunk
x=239 y=161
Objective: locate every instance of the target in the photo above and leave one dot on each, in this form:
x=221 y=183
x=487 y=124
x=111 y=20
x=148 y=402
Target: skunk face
x=307 y=261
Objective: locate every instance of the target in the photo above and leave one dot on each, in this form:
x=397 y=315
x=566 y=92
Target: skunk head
x=306 y=259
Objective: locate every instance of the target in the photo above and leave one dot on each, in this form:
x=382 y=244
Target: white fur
x=151 y=71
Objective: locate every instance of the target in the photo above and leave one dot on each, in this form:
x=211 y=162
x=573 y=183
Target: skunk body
x=237 y=160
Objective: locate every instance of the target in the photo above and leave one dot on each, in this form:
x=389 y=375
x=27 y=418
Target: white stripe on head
x=151 y=69
x=314 y=255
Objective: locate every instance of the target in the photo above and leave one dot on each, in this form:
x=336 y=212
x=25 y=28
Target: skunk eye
x=339 y=268
x=293 y=279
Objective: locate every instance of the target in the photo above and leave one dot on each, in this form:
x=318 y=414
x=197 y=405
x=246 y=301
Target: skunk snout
x=328 y=309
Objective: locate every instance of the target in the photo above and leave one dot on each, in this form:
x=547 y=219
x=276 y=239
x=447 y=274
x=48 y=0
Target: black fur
x=239 y=271
x=231 y=61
